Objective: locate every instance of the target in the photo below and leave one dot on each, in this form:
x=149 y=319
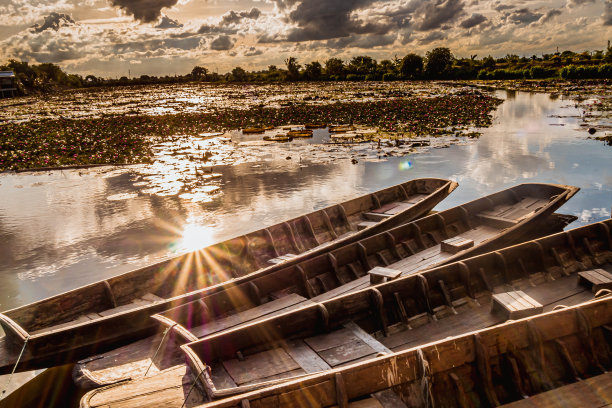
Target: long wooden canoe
x=284 y=290
x=95 y=317
x=560 y=358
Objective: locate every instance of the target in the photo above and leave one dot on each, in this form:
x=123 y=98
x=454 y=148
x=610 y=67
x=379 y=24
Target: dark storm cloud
x=53 y=21
x=234 y=18
x=523 y=16
x=607 y=15
x=473 y=20
x=167 y=22
x=434 y=14
x=550 y=14
x=146 y=11
x=222 y=43
x=323 y=19
x=213 y=29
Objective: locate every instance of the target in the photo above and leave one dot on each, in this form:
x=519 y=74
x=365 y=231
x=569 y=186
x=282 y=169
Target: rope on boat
x=603 y=293
x=191 y=388
x=25 y=343
x=159 y=347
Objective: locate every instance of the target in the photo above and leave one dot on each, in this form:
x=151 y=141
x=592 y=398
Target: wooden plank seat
x=365 y=224
x=379 y=274
x=372 y=216
x=595 y=279
x=144 y=300
x=496 y=221
x=269 y=309
x=389 y=399
x=456 y=244
x=515 y=305
x=281 y=258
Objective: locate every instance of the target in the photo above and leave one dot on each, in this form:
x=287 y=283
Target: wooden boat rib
x=320 y=278
x=464 y=296
x=525 y=363
x=109 y=313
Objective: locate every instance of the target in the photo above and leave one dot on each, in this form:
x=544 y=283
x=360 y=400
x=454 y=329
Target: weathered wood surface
x=595 y=392
x=411 y=248
x=113 y=312
x=491 y=367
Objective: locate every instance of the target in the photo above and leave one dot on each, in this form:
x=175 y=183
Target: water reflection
x=65 y=229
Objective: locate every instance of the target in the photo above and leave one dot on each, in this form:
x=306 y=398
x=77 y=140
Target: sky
x=110 y=38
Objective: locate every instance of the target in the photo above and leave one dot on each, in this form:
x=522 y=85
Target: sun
x=194 y=237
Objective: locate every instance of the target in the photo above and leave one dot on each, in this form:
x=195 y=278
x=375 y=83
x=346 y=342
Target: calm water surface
x=65 y=229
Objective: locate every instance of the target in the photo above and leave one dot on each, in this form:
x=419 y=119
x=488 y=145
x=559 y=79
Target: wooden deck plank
x=595 y=392
x=341 y=290
x=366 y=338
x=306 y=357
x=259 y=366
x=347 y=353
x=264 y=311
x=389 y=399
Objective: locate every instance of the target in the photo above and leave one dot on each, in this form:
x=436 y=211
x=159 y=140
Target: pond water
x=63 y=229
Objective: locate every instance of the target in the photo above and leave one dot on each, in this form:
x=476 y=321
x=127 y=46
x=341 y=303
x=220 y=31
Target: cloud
x=473 y=20
x=53 y=22
x=578 y=3
x=607 y=15
x=167 y=22
x=234 y=18
x=431 y=37
x=549 y=15
x=222 y=43
x=434 y=14
x=502 y=7
x=523 y=16
x=147 y=11
x=252 y=51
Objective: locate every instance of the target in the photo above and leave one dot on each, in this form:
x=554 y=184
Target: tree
x=313 y=71
x=439 y=61
x=199 y=73
x=362 y=65
x=411 y=66
x=239 y=75
x=334 y=67
x=293 y=67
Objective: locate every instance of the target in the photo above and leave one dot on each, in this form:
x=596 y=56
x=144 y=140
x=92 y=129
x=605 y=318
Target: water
x=65 y=229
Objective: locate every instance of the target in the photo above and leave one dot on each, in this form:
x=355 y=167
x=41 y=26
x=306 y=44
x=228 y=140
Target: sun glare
x=195 y=237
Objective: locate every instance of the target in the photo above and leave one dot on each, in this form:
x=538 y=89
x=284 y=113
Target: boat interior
x=561 y=358
x=561 y=270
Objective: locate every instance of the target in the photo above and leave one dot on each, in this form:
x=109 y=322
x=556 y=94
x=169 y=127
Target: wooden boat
x=409 y=249
x=107 y=314
x=278 y=138
x=395 y=316
x=315 y=125
x=560 y=358
x=299 y=133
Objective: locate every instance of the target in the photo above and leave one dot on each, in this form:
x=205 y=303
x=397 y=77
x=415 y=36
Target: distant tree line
x=438 y=63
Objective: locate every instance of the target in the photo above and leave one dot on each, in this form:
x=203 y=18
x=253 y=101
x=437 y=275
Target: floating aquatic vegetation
x=131 y=138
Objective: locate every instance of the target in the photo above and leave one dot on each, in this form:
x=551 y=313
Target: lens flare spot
x=195 y=237
x=405 y=165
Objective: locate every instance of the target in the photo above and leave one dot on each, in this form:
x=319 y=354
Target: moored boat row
x=110 y=313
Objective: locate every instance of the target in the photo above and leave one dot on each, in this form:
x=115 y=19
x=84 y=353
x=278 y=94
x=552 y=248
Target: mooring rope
x=25 y=343
x=159 y=347
x=603 y=293
x=191 y=388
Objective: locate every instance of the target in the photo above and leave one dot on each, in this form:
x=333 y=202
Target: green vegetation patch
x=128 y=139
